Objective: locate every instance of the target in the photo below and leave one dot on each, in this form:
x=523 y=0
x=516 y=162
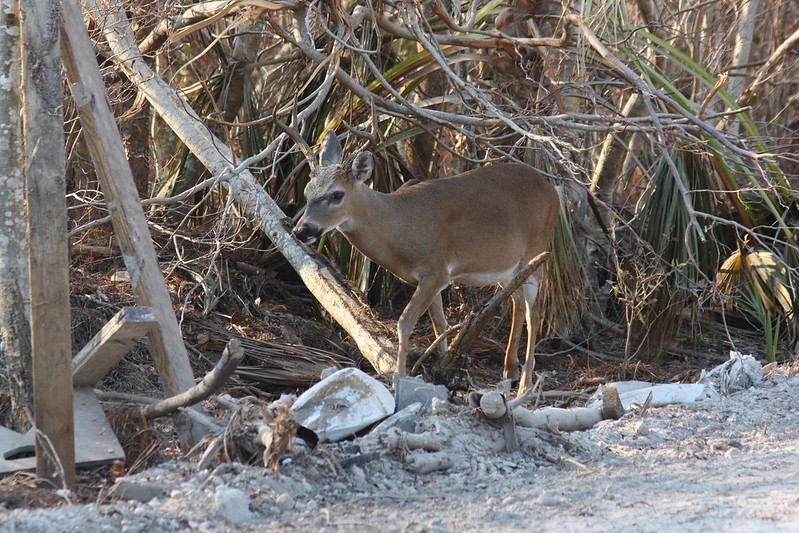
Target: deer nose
x=306 y=233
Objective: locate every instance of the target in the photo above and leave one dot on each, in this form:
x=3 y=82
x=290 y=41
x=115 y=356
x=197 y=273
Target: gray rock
x=143 y=491
x=409 y=390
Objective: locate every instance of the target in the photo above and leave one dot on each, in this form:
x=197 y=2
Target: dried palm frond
x=759 y=284
x=287 y=365
x=562 y=300
x=763 y=271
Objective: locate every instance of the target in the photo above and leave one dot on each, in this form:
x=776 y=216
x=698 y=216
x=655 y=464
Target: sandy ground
x=727 y=464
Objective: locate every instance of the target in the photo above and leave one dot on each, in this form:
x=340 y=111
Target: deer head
x=331 y=189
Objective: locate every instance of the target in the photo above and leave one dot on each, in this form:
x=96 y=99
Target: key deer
x=476 y=228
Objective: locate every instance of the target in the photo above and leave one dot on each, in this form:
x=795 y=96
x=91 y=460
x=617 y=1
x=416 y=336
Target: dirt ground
x=725 y=464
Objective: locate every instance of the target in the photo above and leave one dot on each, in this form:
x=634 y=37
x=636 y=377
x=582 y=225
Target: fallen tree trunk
x=343 y=304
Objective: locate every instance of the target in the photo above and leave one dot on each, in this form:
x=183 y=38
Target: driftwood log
x=494 y=406
x=395 y=439
x=203 y=390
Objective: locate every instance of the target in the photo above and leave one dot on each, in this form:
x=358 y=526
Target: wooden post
x=130 y=226
x=43 y=126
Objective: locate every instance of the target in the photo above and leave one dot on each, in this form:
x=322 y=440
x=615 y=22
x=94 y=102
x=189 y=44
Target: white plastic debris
x=664 y=394
x=624 y=387
x=740 y=372
x=342 y=404
x=667 y=393
x=233 y=505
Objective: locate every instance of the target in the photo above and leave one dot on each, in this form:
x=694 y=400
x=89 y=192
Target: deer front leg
x=530 y=289
x=422 y=297
x=511 y=370
x=439 y=320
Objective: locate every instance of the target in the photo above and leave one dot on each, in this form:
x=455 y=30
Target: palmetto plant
x=670 y=263
x=758 y=283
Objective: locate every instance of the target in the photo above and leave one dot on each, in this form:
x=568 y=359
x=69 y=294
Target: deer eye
x=337 y=196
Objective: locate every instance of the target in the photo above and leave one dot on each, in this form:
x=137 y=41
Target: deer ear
x=330 y=151
x=362 y=166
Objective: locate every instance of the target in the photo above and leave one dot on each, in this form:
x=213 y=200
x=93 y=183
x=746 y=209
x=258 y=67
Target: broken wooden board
x=95 y=442
x=111 y=343
x=101 y=134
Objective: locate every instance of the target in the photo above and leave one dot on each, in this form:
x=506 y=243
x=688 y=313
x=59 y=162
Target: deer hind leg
x=439 y=320
x=530 y=290
x=512 y=350
x=423 y=296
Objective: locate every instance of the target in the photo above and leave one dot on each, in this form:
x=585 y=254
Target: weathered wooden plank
x=95 y=442
x=111 y=343
x=130 y=226
x=43 y=123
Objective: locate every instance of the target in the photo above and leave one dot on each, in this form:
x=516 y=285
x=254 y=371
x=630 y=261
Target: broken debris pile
x=740 y=372
x=417 y=428
x=412 y=428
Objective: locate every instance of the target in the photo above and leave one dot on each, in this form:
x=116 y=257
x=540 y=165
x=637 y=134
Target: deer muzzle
x=307 y=233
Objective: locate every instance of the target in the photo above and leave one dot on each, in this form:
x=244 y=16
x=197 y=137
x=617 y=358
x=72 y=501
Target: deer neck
x=371 y=227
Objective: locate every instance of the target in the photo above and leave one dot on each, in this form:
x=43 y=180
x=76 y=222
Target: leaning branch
x=491 y=42
x=343 y=304
x=789 y=44
x=200 y=16
x=477 y=323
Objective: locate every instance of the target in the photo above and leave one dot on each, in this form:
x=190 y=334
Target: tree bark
x=615 y=147
x=743 y=45
x=611 y=160
x=15 y=343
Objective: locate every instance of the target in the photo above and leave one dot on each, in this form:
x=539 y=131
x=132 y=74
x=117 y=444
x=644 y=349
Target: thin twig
x=430 y=349
x=147 y=202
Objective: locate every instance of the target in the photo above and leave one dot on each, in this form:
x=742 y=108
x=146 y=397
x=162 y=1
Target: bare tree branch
x=211 y=383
